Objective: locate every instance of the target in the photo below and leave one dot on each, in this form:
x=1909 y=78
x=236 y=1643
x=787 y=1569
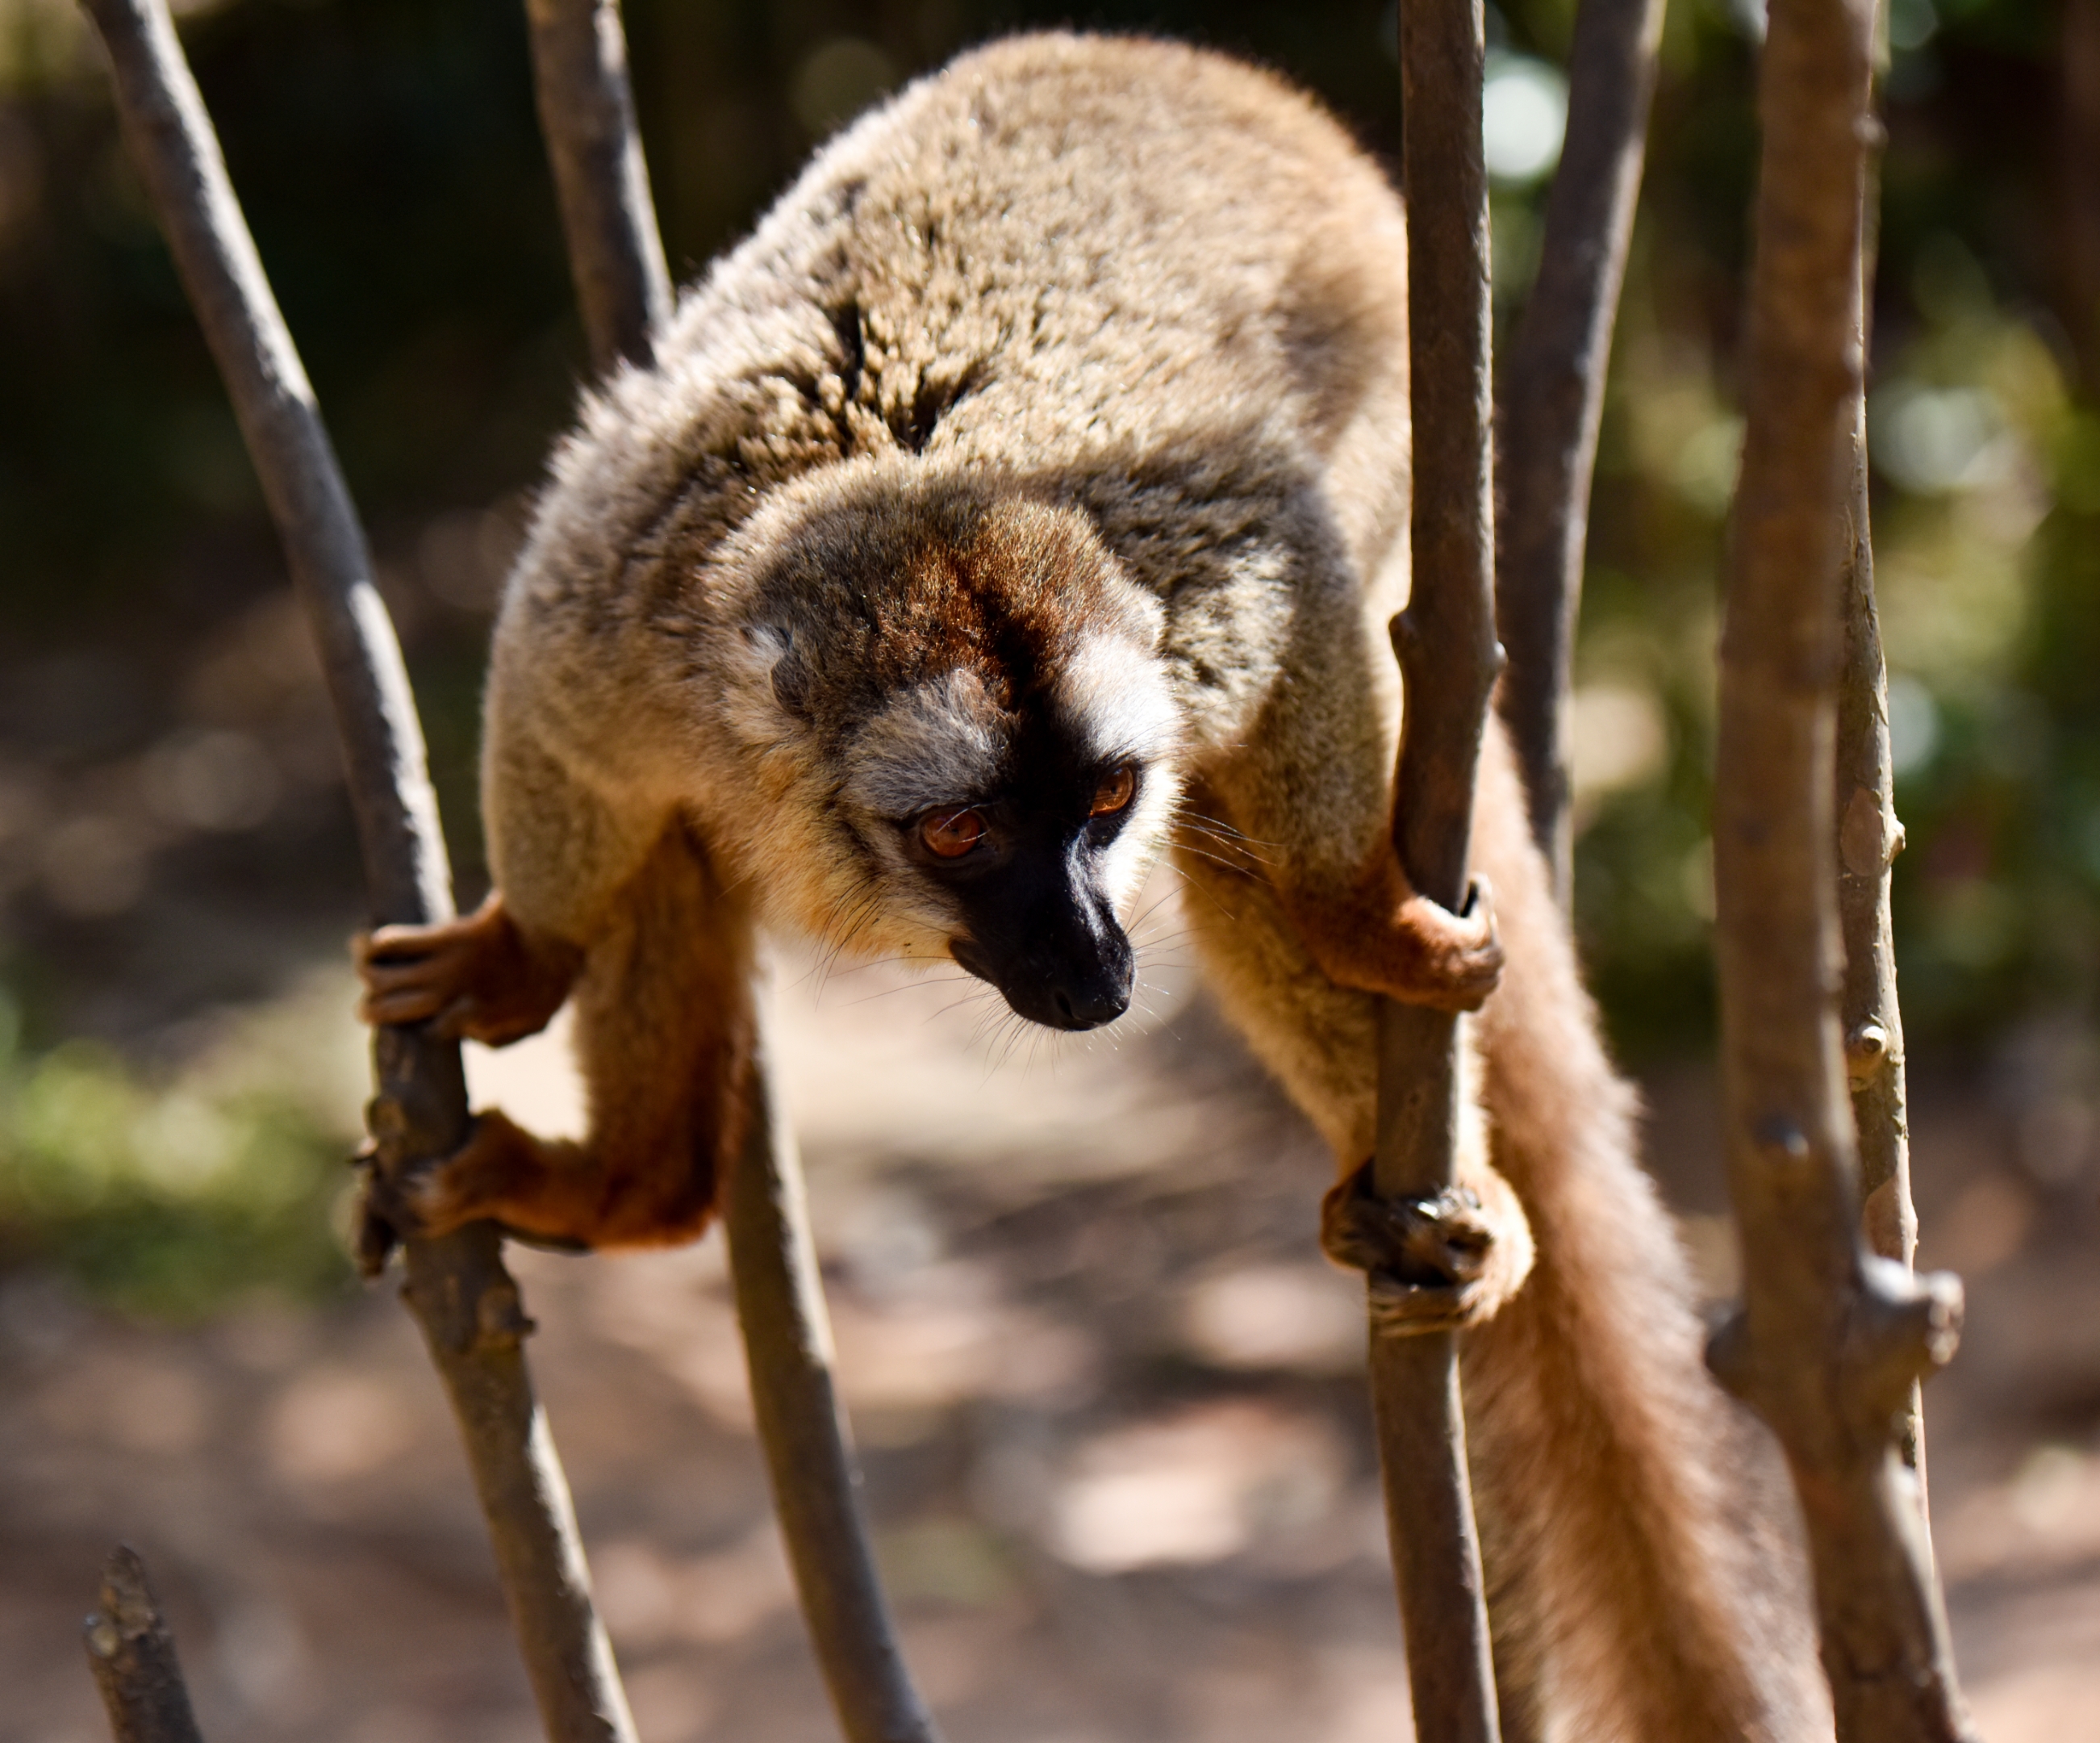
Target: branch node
x=500 y=1320
x=1869 y=837
x=1781 y=1142
x=1866 y=1052
x=1905 y=1327
x=1405 y=632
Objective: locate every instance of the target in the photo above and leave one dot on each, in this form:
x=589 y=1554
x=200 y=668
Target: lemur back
x=1025 y=500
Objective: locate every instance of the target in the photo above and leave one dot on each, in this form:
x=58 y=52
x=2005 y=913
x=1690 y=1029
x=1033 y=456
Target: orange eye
x=1114 y=793
x=951 y=834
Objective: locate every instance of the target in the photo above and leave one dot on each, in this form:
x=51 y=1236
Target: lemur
x=1026 y=500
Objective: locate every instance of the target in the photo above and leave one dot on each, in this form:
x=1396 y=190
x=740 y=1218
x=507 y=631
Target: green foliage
x=162 y=1199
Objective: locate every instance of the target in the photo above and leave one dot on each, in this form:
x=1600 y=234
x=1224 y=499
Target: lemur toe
x=1462 y=952
x=1434 y=1263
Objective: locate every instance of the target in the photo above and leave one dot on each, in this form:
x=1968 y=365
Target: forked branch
x=1553 y=399
x=468 y=1306
x=1448 y=652
x=579 y=62
x=1830 y=1340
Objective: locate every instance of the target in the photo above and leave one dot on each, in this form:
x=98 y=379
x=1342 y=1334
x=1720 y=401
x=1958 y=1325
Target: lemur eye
x=951 y=834
x=1114 y=793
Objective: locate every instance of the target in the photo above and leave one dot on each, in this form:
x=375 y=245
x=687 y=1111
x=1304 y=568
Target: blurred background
x=1108 y=1395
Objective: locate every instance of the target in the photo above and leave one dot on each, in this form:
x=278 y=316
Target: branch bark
x=1450 y=659
x=601 y=177
x=617 y=262
x=466 y=1304
x=132 y=1656
x=1830 y=1340
x=1869 y=837
x=1553 y=399
x=816 y=1488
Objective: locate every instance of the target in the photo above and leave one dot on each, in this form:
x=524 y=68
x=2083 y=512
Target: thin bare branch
x=787 y=1347
x=1553 y=397
x=1446 y=643
x=1869 y=837
x=601 y=177
x=1831 y=1341
x=618 y=265
x=133 y=1657
x=466 y=1304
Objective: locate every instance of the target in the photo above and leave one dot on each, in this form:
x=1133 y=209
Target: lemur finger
x=397 y=943
x=405 y=1004
x=395 y=974
x=1399 y=1309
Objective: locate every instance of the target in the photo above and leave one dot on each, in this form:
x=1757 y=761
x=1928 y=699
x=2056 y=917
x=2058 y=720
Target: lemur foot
x=1437 y=1264
x=1381 y=936
x=480 y=977
x=1455 y=960
x=478 y=1182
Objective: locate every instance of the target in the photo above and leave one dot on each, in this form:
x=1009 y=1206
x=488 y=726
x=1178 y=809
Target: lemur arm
x=1308 y=790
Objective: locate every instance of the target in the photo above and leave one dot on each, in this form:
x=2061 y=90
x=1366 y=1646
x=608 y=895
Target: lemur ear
x=790 y=676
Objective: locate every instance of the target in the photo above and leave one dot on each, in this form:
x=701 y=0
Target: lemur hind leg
x=1636 y=1598
x=663 y=1033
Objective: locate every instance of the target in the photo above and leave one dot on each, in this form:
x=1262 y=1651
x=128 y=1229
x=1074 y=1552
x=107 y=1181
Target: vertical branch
x=133 y=1657
x=601 y=177
x=1446 y=644
x=1553 y=397
x=466 y=1304
x=788 y=1349
x=618 y=264
x=1869 y=837
x=1830 y=1339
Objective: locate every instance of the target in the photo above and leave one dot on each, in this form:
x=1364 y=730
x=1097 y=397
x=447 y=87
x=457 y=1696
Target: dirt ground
x=1108 y=1397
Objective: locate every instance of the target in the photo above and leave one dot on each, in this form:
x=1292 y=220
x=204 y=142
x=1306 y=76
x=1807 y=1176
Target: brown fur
x=1076 y=378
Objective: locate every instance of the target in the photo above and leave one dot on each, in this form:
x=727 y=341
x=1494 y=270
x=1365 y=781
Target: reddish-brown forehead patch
x=1005 y=596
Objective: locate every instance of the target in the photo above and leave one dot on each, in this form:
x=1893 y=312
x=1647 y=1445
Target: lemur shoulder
x=1026 y=500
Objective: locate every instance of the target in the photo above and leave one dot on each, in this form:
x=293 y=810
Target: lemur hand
x=480 y=977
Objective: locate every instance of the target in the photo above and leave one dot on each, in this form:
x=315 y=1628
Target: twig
x=133 y=1657
x=1553 y=397
x=457 y=1288
x=1869 y=837
x=1830 y=1340
x=601 y=177
x=618 y=265
x=1446 y=644
x=788 y=1349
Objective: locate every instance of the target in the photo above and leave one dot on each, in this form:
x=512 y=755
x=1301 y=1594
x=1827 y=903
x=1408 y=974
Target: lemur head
x=958 y=694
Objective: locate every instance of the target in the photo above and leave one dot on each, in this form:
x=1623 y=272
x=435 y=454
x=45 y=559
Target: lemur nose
x=1091 y=1007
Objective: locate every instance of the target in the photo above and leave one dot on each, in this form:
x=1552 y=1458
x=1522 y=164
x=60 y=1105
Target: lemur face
x=974 y=691
x=1042 y=823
